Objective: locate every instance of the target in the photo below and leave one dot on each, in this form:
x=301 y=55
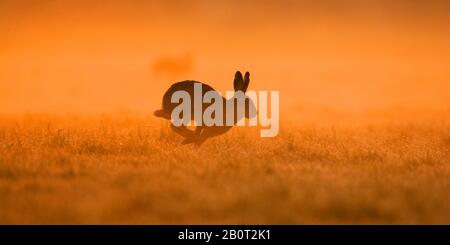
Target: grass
x=132 y=169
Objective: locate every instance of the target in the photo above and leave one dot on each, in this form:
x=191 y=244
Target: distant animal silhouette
x=203 y=132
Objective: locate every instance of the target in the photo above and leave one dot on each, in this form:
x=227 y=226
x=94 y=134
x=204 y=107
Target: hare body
x=188 y=86
x=203 y=132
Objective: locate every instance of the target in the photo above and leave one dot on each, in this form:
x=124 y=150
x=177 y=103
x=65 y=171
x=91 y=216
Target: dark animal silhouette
x=203 y=132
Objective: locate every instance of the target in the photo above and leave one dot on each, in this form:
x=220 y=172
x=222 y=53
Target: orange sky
x=80 y=56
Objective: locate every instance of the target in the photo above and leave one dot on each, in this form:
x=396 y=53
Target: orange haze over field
x=364 y=133
x=84 y=56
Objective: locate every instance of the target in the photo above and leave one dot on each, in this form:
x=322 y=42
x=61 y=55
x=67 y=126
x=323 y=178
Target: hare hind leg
x=202 y=138
x=194 y=138
x=183 y=131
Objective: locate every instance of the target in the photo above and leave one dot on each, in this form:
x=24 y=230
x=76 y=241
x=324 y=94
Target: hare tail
x=161 y=113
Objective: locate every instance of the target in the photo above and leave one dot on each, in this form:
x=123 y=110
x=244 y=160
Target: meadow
x=131 y=168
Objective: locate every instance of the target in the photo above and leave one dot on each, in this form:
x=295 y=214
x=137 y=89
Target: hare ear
x=238 y=81
x=246 y=81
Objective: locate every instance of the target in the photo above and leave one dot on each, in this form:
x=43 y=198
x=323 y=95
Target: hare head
x=240 y=85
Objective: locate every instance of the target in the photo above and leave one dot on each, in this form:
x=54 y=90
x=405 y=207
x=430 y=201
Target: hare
x=203 y=132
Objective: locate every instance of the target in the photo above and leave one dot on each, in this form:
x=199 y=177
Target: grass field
x=132 y=169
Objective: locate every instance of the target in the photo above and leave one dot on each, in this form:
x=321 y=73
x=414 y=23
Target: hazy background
x=359 y=82
x=92 y=56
